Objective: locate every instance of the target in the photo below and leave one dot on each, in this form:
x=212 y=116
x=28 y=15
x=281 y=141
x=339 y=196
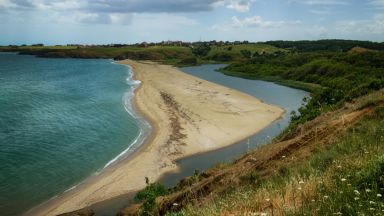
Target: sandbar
x=188 y=115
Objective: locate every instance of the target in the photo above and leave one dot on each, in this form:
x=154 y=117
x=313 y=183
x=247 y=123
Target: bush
x=148 y=196
x=246 y=53
x=201 y=50
x=188 y=61
x=223 y=57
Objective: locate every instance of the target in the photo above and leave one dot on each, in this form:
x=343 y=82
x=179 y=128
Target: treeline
x=166 y=54
x=343 y=76
x=325 y=45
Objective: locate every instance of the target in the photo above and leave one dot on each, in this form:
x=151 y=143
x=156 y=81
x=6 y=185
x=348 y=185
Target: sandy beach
x=189 y=116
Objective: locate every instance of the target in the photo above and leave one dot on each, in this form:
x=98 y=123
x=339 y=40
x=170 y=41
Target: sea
x=61 y=121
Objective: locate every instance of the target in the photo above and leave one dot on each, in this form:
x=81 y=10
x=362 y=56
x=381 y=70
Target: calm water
x=285 y=97
x=61 y=120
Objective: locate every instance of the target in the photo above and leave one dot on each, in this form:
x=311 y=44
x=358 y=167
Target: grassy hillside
x=325 y=45
x=167 y=54
x=228 y=53
x=331 y=165
x=333 y=78
x=329 y=161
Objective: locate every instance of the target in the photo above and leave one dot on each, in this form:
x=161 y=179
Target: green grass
x=258 y=47
x=230 y=53
x=165 y=54
x=333 y=78
x=173 y=55
x=344 y=179
x=40 y=47
x=148 y=196
x=309 y=87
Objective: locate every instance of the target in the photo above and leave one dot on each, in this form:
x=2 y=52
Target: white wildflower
x=267 y=199
x=356 y=192
x=368 y=190
x=301 y=182
x=343 y=179
x=371 y=202
x=357 y=198
x=378 y=195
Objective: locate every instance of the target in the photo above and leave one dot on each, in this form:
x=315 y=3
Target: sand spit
x=189 y=115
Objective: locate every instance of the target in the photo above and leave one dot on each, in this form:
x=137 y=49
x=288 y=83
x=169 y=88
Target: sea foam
x=145 y=127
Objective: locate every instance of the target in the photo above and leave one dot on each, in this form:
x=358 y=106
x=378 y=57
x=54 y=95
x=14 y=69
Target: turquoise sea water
x=61 y=120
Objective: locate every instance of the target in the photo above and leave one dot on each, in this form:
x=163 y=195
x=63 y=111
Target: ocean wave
x=71 y=188
x=124 y=152
x=145 y=127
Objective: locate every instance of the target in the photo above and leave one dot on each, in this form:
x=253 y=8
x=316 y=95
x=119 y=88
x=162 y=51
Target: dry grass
x=294 y=176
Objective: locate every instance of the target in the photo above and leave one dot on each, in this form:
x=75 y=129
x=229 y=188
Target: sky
x=131 y=21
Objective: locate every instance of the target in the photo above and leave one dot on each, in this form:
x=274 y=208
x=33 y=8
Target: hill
x=331 y=164
x=329 y=161
x=325 y=45
x=183 y=54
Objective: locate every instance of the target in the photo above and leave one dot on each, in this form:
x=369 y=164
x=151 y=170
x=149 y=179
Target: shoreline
x=175 y=118
x=50 y=204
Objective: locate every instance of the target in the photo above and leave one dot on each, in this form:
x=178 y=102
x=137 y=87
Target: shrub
x=148 y=196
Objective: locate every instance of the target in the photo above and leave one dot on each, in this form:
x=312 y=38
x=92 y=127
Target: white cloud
x=6 y=4
x=318 y=32
x=371 y=26
x=240 y=5
x=377 y=2
x=102 y=18
x=257 y=21
x=165 y=20
x=320 y=11
x=104 y=11
x=65 y=4
x=322 y=2
x=254 y=22
x=118 y=6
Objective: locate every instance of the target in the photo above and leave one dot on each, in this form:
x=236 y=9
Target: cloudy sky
x=131 y=21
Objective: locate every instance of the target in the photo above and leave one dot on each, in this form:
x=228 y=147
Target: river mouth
x=287 y=98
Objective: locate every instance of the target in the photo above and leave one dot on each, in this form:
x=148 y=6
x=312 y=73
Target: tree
x=246 y=53
x=201 y=50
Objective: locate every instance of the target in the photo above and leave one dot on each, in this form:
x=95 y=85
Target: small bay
x=61 y=121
